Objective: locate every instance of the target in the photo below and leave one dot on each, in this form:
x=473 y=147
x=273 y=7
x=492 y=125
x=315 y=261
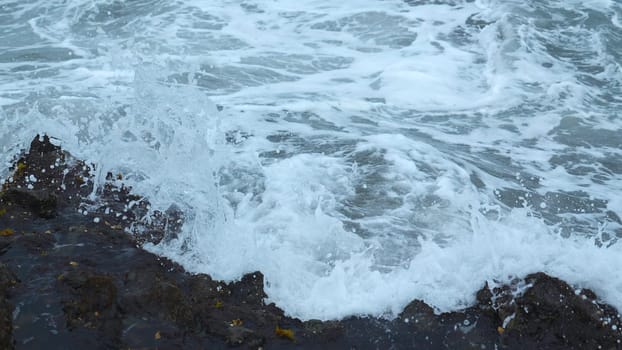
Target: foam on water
x=365 y=153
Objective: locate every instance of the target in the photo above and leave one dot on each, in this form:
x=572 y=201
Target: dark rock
x=325 y=331
x=238 y=335
x=552 y=315
x=7 y=280
x=92 y=304
x=420 y=314
x=41 y=203
x=117 y=207
x=249 y=290
x=45 y=179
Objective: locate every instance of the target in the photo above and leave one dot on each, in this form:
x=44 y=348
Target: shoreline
x=76 y=278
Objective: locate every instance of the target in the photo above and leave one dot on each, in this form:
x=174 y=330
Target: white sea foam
x=367 y=152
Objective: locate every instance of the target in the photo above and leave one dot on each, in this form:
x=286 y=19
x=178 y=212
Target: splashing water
x=359 y=153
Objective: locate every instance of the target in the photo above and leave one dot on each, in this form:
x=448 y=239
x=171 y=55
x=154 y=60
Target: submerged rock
x=72 y=276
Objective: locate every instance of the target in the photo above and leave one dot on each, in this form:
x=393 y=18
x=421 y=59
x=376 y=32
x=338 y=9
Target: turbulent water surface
x=361 y=153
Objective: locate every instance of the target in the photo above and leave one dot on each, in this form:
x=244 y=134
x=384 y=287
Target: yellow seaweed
x=7 y=232
x=21 y=167
x=285 y=333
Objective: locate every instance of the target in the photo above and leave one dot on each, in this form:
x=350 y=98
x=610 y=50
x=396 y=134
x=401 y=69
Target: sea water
x=360 y=153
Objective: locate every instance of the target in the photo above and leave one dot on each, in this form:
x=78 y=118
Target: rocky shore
x=73 y=276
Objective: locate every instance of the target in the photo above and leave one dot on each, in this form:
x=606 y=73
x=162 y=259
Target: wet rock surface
x=73 y=276
x=7 y=280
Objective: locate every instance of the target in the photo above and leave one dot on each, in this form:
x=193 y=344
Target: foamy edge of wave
x=445 y=277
